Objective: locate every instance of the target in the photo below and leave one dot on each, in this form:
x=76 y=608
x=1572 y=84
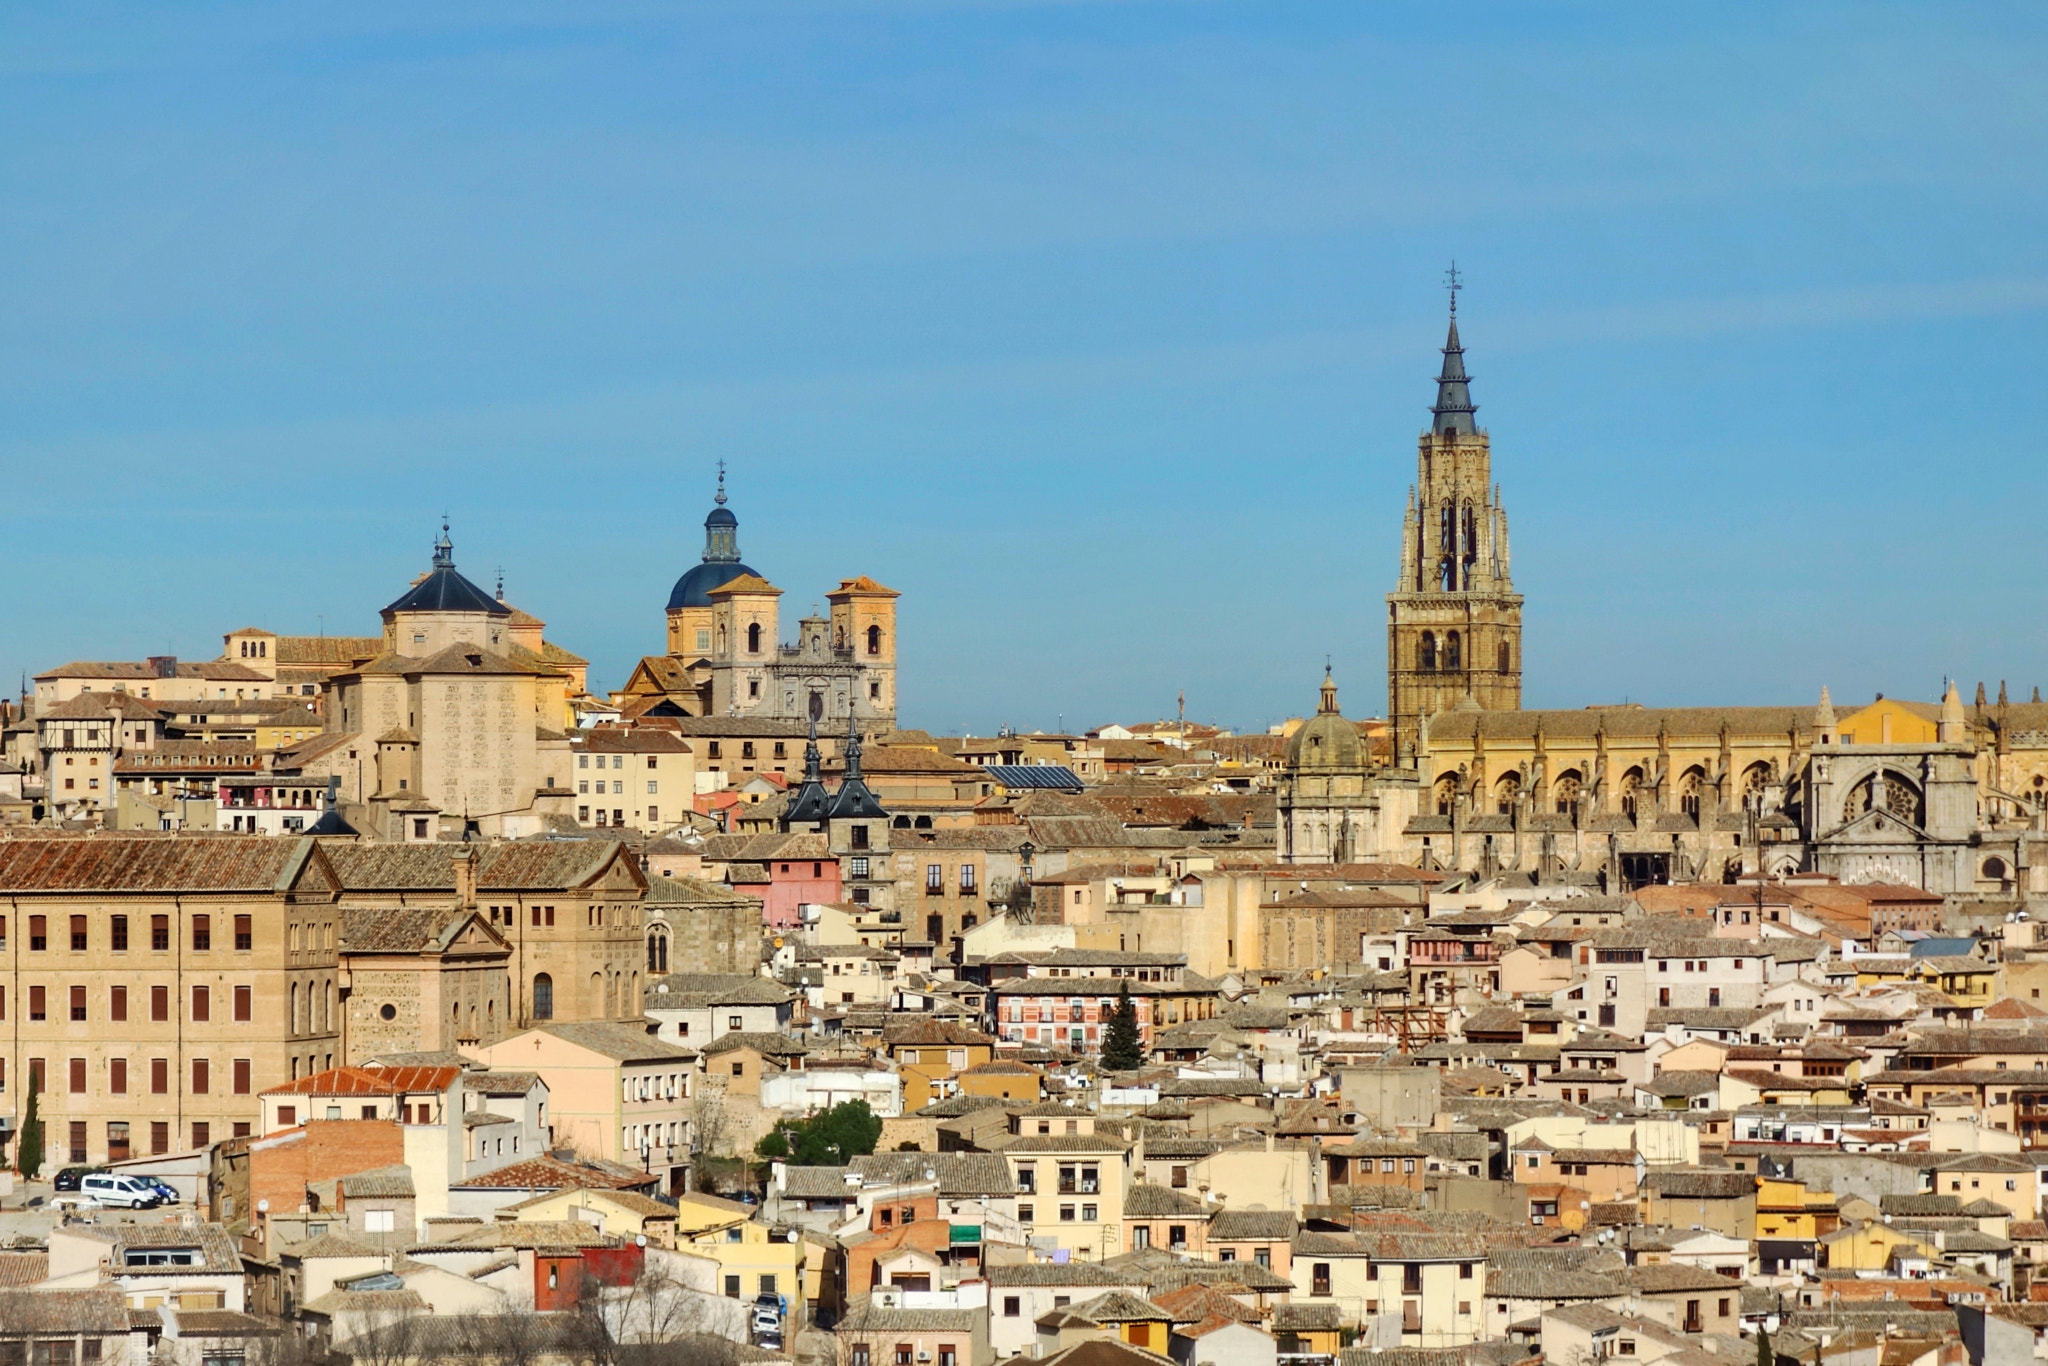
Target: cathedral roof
x=444 y=590
x=1326 y=740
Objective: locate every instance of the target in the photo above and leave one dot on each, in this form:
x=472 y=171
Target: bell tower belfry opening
x=1454 y=621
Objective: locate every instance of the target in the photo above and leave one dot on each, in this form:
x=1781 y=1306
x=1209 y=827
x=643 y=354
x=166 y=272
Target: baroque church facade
x=726 y=657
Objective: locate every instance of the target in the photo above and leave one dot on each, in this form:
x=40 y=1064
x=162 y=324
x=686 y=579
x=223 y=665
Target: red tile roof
x=370 y=1081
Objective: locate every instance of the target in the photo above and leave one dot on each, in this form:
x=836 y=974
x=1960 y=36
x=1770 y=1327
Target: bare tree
x=516 y=1337
x=710 y=1125
x=614 y=1325
x=387 y=1330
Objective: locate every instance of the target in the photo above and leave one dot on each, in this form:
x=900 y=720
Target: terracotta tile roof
x=23 y=1268
x=144 y=863
x=368 y=1081
x=102 y=1310
x=546 y=865
x=546 y=1173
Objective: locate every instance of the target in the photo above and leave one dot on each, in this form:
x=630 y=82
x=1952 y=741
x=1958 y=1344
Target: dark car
x=66 y=1181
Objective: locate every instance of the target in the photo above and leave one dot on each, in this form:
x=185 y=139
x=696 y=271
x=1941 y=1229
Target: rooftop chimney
x=465 y=877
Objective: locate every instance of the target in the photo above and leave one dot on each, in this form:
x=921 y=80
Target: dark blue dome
x=694 y=589
x=721 y=517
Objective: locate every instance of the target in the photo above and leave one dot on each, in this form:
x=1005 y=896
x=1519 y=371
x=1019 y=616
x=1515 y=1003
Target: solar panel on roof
x=1057 y=777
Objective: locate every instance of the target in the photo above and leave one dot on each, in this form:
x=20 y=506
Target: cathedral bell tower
x=1454 y=622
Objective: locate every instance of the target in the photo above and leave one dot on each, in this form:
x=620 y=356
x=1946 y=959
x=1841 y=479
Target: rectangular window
x=202 y=1076
x=77 y=1136
x=38 y=1007
x=117 y=1076
x=967 y=879
x=159 y=1137
x=160 y=933
x=243 y=1005
x=1013 y=1306
x=202 y=933
x=78 y=1004
x=202 y=1133
x=78 y=936
x=159 y=1078
x=935 y=879
x=245 y=934
x=119 y=934
x=77 y=1076
x=159 y=1004
x=38 y=933
x=241 y=1070
x=202 y=1004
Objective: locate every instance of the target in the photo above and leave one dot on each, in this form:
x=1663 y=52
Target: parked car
x=768 y=1340
x=120 y=1192
x=164 y=1188
x=67 y=1179
x=767 y=1321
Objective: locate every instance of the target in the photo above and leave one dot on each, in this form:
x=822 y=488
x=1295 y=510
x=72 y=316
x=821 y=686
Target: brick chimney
x=465 y=877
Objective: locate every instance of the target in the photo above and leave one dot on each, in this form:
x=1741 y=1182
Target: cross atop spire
x=1452 y=281
x=720 y=499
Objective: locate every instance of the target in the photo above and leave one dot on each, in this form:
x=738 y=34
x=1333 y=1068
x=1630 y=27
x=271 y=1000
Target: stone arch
x=1755 y=779
x=657 y=949
x=1507 y=792
x=753 y=637
x=1567 y=789
x=874 y=640
x=1425 y=652
x=1691 y=783
x=1446 y=793
x=1887 y=790
x=1631 y=786
x=1454 y=652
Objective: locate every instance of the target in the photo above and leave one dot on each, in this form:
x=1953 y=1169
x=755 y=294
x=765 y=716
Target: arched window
x=1631 y=783
x=1505 y=658
x=601 y=993
x=657 y=951
x=295 y=1008
x=543 y=997
x=1566 y=789
x=1425 y=653
x=1754 y=779
x=1507 y=792
x=754 y=638
x=1689 y=788
x=1453 y=651
x=1446 y=794
x=874 y=640
x=1994 y=869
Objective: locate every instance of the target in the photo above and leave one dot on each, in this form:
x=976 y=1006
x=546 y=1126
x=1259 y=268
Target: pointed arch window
x=1425 y=653
x=1453 y=651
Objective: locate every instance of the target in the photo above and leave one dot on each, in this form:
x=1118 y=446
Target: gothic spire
x=444 y=549
x=1454 y=407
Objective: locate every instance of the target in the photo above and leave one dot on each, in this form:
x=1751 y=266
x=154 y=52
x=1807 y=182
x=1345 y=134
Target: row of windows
x=119 y=1149
x=78 y=1009
x=77 y=1076
x=80 y=933
x=618 y=787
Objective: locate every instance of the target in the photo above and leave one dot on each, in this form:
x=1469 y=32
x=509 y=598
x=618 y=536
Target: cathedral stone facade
x=1454 y=623
x=1331 y=803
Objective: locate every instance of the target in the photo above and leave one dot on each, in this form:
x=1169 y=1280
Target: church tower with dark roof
x=1454 y=621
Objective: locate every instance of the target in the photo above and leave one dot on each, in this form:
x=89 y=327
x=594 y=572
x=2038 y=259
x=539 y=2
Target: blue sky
x=1101 y=331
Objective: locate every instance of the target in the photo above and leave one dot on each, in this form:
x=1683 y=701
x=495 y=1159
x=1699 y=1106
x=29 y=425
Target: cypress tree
x=1764 y=1355
x=1122 y=1049
x=29 y=1154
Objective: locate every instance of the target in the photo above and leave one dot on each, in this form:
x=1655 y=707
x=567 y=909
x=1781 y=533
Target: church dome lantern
x=721 y=562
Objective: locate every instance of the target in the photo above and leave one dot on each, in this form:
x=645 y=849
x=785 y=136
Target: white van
x=120 y=1192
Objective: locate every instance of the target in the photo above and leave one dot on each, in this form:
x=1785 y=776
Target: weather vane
x=1452 y=282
